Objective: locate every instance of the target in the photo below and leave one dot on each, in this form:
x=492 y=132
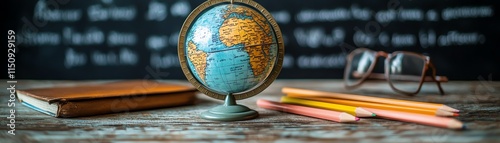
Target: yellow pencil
x=381 y=106
x=356 y=111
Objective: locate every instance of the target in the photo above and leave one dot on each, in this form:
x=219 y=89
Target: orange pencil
x=312 y=93
x=419 y=118
x=307 y=111
x=381 y=106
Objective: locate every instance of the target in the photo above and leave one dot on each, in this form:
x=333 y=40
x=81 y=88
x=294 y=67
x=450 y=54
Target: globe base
x=230 y=111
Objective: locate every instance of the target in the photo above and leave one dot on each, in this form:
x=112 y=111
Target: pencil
x=313 y=93
x=419 y=118
x=307 y=111
x=356 y=111
x=381 y=106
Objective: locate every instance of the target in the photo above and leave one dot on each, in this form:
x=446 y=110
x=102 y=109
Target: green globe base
x=230 y=111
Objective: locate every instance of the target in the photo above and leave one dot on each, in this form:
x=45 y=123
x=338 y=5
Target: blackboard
x=127 y=39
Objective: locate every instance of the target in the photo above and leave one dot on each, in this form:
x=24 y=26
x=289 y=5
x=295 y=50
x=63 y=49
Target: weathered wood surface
x=479 y=102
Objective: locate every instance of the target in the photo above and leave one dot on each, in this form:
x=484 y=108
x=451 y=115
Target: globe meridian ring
x=274 y=71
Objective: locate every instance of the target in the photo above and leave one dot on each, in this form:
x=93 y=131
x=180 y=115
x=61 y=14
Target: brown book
x=114 y=97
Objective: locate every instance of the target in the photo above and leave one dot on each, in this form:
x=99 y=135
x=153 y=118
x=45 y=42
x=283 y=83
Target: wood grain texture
x=479 y=102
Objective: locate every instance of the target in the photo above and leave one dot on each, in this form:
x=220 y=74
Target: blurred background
x=131 y=39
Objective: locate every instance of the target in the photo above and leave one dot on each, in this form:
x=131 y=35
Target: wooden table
x=479 y=102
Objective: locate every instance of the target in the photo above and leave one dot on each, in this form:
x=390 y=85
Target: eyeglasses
x=405 y=71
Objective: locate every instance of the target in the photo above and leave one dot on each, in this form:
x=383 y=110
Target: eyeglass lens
x=360 y=64
x=405 y=71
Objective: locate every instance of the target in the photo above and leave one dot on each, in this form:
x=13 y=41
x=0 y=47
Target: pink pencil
x=418 y=118
x=307 y=111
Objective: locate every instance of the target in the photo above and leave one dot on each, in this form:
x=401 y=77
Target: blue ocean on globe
x=230 y=48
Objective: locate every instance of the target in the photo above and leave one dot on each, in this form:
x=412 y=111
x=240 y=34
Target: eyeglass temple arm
x=402 y=77
x=431 y=66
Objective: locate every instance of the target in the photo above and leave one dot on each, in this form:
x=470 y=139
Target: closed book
x=113 y=97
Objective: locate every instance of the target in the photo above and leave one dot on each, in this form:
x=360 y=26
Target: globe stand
x=230 y=111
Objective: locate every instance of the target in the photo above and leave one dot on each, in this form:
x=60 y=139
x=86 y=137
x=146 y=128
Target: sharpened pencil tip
x=357 y=119
x=374 y=115
x=456 y=114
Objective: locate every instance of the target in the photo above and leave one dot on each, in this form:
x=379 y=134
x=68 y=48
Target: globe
x=230 y=49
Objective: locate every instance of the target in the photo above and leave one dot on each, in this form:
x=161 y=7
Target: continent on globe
x=243 y=25
x=198 y=58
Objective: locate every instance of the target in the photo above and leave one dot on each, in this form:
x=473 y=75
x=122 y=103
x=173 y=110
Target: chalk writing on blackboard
x=127 y=34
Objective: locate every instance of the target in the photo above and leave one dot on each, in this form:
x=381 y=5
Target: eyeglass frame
x=388 y=56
